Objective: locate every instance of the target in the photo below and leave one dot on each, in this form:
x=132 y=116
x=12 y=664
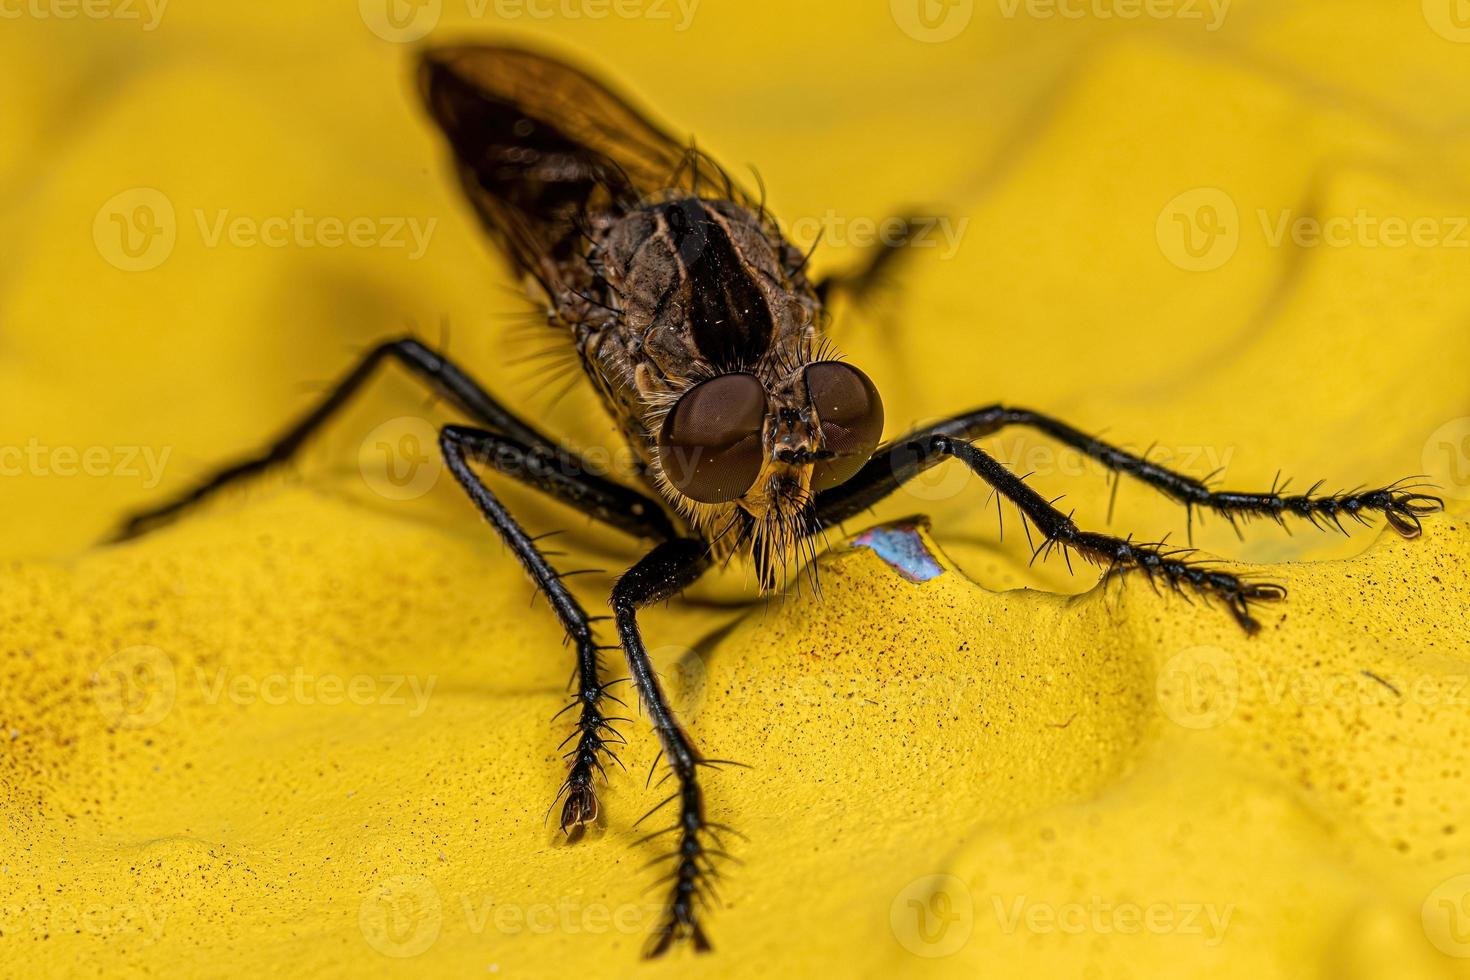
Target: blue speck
x=903 y=549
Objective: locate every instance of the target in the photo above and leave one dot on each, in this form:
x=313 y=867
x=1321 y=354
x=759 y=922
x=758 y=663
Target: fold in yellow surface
x=306 y=731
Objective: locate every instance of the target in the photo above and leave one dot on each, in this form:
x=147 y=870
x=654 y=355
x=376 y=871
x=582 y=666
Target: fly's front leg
x=1400 y=503
x=560 y=476
x=664 y=572
x=1173 y=568
x=901 y=462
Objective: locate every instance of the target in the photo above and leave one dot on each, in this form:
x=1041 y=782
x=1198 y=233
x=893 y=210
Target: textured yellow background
x=306 y=731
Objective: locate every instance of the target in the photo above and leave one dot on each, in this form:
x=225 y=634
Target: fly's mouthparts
x=801 y=457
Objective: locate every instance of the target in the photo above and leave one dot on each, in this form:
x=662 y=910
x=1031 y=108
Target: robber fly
x=698 y=325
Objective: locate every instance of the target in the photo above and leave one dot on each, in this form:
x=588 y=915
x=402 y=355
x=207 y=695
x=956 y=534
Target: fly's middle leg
x=873 y=271
x=1402 y=504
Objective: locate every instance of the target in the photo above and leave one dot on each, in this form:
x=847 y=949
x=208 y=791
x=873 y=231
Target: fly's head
x=745 y=454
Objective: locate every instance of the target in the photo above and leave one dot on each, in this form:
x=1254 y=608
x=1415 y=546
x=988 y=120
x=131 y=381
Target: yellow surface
x=306 y=732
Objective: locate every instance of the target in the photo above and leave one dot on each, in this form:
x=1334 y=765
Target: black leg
x=516 y=450
x=594 y=728
x=563 y=476
x=447 y=379
x=1173 y=568
x=1399 y=503
x=872 y=272
x=664 y=572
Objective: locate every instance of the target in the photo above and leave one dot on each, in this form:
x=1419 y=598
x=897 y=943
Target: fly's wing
x=540 y=144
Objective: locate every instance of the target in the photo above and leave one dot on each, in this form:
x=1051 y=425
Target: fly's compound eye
x=710 y=445
x=851 y=416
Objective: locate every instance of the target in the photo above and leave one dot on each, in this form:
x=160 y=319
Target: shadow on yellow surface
x=307 y=730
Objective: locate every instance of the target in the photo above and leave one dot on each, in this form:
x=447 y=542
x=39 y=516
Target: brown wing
x=540 y=144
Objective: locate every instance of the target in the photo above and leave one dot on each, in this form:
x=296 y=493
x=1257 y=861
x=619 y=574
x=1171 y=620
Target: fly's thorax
x=705 y=286
x=700 y=287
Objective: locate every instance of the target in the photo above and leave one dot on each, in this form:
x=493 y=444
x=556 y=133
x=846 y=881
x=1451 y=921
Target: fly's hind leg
x=873 y=271
x=555 y=474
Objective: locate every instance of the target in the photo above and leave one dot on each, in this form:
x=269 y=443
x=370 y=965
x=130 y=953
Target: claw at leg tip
x=581 y=809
